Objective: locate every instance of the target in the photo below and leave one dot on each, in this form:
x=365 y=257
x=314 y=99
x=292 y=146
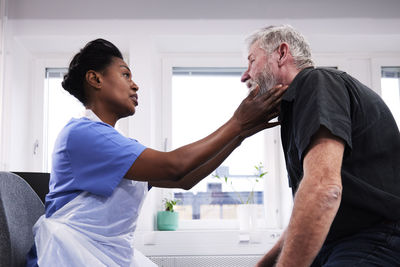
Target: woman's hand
x=255 y=111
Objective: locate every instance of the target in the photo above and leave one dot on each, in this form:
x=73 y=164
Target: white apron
x=93 y=230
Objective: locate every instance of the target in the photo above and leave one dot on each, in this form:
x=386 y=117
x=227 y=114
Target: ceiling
x=204 y=9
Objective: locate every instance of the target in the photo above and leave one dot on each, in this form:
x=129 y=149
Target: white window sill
x=205 y=242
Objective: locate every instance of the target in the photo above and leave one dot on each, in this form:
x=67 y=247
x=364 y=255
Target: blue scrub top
x=88 y=156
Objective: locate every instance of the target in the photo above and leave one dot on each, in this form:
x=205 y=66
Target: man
x=342 y=152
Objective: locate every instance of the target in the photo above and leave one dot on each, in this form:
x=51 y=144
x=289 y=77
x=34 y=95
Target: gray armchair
x=20 y=208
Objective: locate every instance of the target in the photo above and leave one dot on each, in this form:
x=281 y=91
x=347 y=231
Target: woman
x=99 y=178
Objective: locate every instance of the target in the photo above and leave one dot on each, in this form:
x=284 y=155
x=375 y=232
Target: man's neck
x=289 y=75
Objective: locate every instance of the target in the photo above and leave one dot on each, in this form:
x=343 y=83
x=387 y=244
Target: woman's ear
x=93 y=79
x=283 y=52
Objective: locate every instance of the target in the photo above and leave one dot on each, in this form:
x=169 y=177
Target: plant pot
x=167 y=220
x=247 y=217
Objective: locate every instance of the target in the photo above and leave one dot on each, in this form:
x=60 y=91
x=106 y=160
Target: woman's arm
x=253 y=113
x=195 y=176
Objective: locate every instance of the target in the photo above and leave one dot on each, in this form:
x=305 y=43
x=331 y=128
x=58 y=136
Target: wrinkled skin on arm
x=316 y=203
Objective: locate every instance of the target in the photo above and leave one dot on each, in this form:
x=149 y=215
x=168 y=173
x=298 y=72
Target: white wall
x=17 y=123
x=3 y=23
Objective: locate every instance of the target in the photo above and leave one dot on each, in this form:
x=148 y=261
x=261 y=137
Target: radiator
x=206 y=261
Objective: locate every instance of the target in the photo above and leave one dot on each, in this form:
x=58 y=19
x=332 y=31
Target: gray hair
x=271 y=37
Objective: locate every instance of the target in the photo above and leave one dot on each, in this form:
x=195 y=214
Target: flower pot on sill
x=167 y=220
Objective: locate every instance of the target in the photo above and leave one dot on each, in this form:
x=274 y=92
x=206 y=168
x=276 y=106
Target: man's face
x=259 y=70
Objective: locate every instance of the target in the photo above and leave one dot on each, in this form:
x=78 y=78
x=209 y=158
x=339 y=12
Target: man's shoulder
x=323 y=78
x=314 y=75
x=325 y=71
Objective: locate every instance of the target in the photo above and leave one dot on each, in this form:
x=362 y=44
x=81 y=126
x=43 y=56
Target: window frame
x=376 y=64
x=272 y=200
x=39 y=108
x=39 y=105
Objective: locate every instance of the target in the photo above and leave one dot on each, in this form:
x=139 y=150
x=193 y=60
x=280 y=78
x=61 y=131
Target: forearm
x=155 y=166
x=195 y=176
x=313 y=213
x=190 y=157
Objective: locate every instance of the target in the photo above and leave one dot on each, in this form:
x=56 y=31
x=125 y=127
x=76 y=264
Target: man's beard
x=265 y=80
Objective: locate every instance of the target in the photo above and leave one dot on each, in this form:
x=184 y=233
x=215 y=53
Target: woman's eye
x=127 y=75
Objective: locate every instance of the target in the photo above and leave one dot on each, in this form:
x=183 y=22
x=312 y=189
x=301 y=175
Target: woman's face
x=118 y=93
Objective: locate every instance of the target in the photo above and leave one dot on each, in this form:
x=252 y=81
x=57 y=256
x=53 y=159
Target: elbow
x=173 y=175
x=185 y=187
x=174 y=170
x=330 y=196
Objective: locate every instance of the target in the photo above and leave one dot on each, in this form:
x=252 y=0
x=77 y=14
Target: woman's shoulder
x=79 y=131
x=82 y=127
x=85 y=132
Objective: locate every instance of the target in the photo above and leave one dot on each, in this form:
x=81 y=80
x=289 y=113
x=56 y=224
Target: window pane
x=60 y=108
x=202 y=100
x=390 y=84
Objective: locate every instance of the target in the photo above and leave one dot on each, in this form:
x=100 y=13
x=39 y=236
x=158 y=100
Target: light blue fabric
x=89 y=156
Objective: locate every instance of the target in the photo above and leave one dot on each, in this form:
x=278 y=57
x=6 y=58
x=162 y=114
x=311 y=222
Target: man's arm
x=316 y=202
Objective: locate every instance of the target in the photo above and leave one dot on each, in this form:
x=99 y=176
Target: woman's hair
x=271 y=37
x=97 y=55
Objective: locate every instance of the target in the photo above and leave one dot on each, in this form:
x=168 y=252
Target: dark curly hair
x=96 y=55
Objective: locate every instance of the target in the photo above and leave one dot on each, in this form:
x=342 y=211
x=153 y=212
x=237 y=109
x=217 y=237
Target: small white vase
x=247 y=217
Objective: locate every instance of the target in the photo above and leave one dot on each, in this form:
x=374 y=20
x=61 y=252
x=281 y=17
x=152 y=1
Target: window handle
x=35 y=147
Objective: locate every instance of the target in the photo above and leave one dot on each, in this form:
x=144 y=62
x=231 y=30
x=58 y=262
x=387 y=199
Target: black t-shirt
x=371 y=162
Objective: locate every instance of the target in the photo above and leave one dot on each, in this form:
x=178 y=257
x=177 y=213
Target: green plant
x=169 y=204
x=258 y=175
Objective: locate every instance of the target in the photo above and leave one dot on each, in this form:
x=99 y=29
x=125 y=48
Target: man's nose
x=245 y=76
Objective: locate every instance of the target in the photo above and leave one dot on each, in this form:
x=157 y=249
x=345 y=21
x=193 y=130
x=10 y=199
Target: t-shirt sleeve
x=322 y=100
x=100 y=157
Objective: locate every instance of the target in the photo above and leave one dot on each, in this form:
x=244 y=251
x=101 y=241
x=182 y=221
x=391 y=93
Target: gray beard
x=265 y=80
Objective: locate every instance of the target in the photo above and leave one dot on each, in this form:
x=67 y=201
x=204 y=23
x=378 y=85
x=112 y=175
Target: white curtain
x=3 y=23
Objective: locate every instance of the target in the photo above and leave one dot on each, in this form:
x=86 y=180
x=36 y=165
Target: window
x=202 y=100
x=60 y=107
x=390 y=90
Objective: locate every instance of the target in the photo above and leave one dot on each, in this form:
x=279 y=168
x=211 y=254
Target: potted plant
x=168 y=219
x=247 y=210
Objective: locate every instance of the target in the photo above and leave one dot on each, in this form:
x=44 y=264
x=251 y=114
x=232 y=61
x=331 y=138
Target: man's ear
x=283 y=53
x=93 y=78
